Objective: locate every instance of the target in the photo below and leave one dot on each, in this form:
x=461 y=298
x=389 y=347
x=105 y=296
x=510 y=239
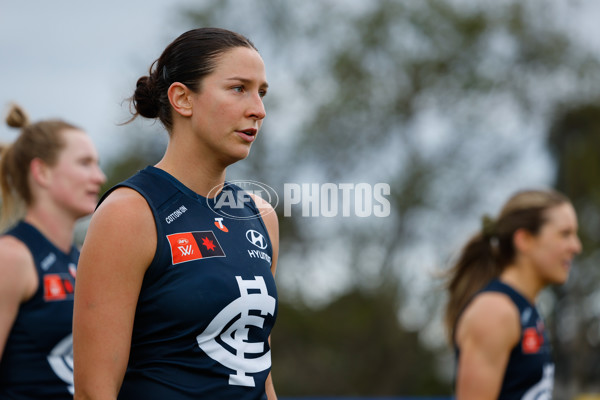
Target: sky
x=78 y=60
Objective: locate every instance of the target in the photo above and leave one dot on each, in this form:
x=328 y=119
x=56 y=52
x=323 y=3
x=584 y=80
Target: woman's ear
x=522 y=240
x=180 y=99
x=40 y=172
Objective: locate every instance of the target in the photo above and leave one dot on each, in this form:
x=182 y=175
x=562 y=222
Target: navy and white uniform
x=208 y=299
x=37 y=362
x=529 y=373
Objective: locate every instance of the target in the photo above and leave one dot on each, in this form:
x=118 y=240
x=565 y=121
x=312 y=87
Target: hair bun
x=145 y=99
x=17 y=117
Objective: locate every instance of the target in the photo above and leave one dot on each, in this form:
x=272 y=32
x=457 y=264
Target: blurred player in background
x=501 y=343
x=49 y=179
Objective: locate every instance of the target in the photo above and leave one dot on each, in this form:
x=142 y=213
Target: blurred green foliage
x=354 y=346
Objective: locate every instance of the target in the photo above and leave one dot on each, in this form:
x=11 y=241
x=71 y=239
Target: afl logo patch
x=189 y=246
x=257 y=239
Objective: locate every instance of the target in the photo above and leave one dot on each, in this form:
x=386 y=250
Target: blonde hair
x=43 y=140
x=491 y=250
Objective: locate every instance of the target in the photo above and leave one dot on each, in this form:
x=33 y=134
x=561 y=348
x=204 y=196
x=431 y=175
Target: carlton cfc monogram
x=244 y=357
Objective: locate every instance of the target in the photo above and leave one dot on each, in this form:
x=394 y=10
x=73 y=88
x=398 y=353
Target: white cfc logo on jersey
x=253 y=297
x=61 y=361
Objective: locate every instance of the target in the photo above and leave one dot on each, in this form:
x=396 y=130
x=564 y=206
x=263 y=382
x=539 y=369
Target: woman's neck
x=57 y=228
x=202 y=173
x=523 y=280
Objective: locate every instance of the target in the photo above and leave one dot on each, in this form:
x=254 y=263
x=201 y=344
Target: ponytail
x=475 y=267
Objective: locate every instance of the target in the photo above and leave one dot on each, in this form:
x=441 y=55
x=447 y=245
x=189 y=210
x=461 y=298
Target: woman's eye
x=239 y=89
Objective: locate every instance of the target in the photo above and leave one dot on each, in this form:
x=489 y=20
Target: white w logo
x=186 y=250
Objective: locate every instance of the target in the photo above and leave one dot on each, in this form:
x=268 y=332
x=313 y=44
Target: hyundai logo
x=256 y=238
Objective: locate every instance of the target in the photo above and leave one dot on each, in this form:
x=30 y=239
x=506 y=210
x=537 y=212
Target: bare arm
x=119 y=246
x=486 y=334
x=270 y=389
x=18 y=283
x=270 y=219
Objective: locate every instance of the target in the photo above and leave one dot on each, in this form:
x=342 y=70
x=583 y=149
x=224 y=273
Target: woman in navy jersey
x=49 y=179
x=176 y=294
x=502 y=348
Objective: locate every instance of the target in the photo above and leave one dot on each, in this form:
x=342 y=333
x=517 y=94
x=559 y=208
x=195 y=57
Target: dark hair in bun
x=17 y=117
x=187 y=60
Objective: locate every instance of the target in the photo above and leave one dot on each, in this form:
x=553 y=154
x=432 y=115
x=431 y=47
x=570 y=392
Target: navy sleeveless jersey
x=529 y=373
x=208 y=300
x=37 y=362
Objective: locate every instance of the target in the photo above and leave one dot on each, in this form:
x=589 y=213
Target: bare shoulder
x=122 y=225
x=490 y=318
x=267 y=212
x=12 y=252
x=124 y=211
x=124 y=202
x=17 y=268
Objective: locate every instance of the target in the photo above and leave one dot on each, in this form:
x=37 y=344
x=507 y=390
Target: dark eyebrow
x=247 y=81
